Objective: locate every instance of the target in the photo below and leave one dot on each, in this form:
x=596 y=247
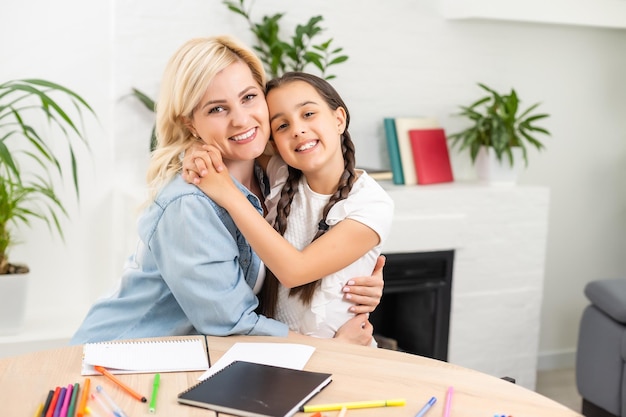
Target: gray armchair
x=601 y=352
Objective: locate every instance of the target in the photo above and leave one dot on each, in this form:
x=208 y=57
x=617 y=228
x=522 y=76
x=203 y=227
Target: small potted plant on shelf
x=499 y=134
x=37 y=134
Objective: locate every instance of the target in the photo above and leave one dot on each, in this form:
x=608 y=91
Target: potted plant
x=499 y=131
x=281 y=55
x=278 y=54
x=37 y=133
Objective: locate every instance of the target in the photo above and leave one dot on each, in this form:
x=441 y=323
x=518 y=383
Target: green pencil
x=70 y=409
x=155 y=390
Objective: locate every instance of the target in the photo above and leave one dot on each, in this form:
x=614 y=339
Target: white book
x=403 y=125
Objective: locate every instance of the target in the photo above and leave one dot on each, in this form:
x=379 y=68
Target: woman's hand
x=358 y=330
x=195 y=163
x=366 y=292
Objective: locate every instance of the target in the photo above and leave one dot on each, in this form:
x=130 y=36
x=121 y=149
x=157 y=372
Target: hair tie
x=322 y=225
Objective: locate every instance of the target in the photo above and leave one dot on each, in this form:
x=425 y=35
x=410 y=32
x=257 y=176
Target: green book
x=394 y=150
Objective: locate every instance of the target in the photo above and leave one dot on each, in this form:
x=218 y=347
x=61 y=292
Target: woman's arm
x=365 y=292
x=204 y=277
x=358 y=330
x=342 y=245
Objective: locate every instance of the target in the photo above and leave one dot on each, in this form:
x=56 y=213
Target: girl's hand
x=195 y=166
x=215 y=183
x=366 y=292
x=358 y=330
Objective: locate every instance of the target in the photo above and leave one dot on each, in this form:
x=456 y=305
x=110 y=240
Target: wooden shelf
x=596 y=13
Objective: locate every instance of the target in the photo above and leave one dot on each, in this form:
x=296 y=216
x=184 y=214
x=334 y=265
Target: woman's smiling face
x=233 y=115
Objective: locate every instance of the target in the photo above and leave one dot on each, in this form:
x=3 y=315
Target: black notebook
x=256 y=390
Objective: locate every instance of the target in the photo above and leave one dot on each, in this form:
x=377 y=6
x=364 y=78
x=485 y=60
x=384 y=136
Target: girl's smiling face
x=306 y=131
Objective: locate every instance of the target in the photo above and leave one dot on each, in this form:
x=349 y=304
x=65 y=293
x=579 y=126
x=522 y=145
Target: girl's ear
x=340 y=113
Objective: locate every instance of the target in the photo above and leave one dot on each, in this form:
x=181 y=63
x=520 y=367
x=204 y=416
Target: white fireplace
x=498 y=233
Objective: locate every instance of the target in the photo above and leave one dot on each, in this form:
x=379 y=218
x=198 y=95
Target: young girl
x=336 y=217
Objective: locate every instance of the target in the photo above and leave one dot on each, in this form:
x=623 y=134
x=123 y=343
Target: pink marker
x=66 y=401
x=446 y=408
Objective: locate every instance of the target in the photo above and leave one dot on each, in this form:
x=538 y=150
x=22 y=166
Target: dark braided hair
x=269 y=294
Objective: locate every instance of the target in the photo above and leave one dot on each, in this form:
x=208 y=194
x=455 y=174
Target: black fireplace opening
x=414 y=312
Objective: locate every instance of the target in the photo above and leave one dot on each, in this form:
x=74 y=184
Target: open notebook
x=145 y=356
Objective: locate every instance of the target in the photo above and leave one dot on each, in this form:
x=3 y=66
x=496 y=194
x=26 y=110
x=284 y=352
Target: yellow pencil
x=356 y=404
x=39 y=410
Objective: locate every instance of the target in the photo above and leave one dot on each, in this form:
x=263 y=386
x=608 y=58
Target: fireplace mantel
x=499 y=236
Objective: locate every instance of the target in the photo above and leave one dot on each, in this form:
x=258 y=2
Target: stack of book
x=418 y=151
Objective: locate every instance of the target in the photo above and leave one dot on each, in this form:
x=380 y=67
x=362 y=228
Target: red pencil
x=122 y=385
x=53 y=403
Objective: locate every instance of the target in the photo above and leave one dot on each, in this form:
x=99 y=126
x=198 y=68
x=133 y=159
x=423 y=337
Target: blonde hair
x=185 y=80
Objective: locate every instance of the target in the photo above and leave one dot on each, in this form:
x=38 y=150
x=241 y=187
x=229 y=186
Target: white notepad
x=145 y=356
x=286 y=355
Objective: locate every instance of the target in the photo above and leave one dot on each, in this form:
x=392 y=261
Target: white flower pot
x=492 y=171
x=13 y=289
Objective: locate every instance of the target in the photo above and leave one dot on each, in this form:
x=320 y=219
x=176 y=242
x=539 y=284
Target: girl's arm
x=195 y=166
x=342 y=245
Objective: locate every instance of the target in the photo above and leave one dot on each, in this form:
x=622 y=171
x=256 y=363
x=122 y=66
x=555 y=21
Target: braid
x=346 y=182
x=269 y=294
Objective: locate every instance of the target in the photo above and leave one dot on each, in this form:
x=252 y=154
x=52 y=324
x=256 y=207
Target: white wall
x=405 y=59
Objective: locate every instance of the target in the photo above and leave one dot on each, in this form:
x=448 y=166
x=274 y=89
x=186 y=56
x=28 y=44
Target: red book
x=431 y=157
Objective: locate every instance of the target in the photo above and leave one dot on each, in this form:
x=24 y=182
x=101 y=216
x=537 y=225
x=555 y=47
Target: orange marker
x=82 y=405
x=121 y=384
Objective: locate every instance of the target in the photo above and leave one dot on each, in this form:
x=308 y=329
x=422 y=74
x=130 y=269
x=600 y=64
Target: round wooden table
x=358 y=374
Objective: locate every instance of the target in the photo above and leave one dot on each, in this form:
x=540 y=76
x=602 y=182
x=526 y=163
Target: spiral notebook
x=145 y=356
x=256 y=390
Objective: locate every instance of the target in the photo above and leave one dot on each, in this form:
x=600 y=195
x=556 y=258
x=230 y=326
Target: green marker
x=155 y=391
x=72 y=407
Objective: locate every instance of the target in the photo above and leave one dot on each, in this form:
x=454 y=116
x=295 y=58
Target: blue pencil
x=426 y=407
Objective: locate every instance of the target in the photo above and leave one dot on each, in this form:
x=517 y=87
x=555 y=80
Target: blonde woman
x=193 y=271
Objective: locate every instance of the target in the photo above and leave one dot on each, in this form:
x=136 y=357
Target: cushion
x=609 y=295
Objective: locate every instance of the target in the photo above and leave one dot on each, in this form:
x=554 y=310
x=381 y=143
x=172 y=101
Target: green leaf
x=338 y=60
x=495 y=123
x=144 y=99
x=32 y=158
x=280 y=54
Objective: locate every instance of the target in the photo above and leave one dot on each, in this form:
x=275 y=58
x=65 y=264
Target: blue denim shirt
x=192 y=272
